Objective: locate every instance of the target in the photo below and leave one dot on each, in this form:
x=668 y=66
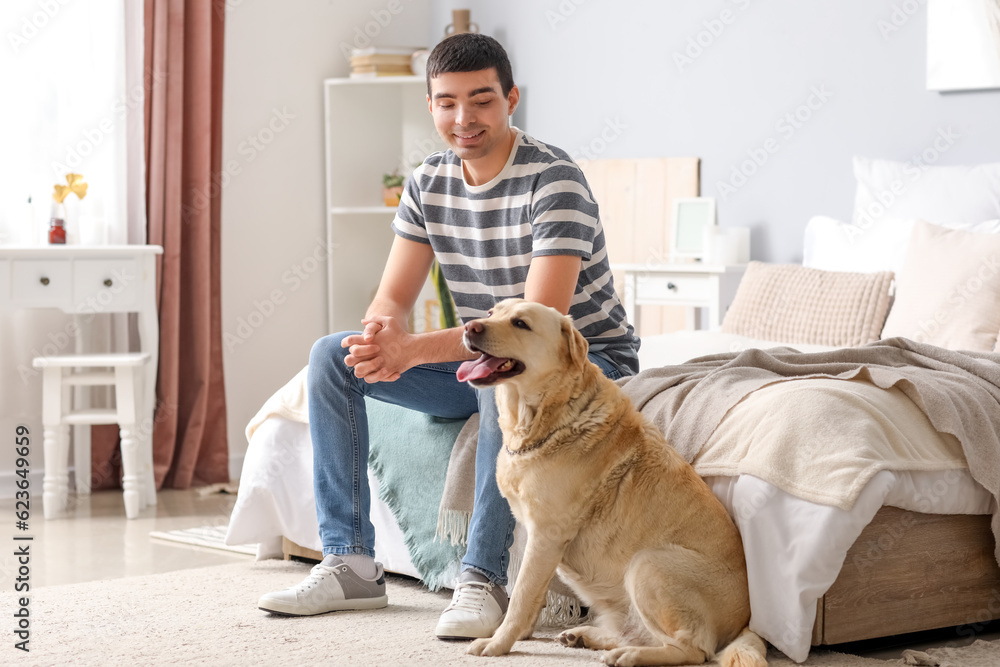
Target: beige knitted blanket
x=958 y=392
x=823 y=439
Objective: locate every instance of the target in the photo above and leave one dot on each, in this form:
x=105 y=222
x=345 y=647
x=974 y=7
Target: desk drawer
x=667 y=288
x=41 y=282
x=105 y=285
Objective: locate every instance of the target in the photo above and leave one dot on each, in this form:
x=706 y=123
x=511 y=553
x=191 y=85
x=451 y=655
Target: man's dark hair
x=470 y=52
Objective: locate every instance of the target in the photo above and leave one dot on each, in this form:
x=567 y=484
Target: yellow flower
x=76 y=186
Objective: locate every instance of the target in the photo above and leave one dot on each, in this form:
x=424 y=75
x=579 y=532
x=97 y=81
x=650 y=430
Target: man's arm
x=405 y=272
x=552 y=280
x=563 y=222
x=395 y=350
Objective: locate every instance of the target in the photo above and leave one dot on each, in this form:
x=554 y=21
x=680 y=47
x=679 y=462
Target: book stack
x=381 y=61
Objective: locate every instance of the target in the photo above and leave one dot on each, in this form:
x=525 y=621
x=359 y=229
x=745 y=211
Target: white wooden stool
x=126 y=375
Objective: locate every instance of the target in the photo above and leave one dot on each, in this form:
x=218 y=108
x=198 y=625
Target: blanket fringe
x=418 y=556
x=453 y=526
x=560 y=610
x=446 y=579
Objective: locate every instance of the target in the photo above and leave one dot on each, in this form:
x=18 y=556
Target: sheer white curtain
x=72 y=90
x=71 y=75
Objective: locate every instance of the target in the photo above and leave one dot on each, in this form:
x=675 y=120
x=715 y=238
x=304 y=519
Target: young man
x=506 y=216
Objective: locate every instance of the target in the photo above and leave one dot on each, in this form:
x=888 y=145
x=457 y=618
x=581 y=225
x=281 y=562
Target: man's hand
x=382 y=352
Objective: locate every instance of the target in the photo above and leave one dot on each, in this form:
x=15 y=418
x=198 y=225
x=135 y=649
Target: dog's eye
x=489 y=313
x=521 y=324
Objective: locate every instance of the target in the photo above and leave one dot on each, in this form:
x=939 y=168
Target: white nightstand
x=694 y=285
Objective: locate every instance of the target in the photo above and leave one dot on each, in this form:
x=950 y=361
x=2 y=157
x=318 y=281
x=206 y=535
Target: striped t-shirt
x=484 y=237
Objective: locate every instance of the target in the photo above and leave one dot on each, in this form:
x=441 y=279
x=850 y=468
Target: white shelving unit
x=373 y=126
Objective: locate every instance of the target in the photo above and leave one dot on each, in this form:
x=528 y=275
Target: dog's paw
x=621 y=657
x=571 y=640
x=477 y=646
x=488 y=647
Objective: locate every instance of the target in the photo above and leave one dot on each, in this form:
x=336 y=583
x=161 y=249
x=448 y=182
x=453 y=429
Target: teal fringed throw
x=409 y=454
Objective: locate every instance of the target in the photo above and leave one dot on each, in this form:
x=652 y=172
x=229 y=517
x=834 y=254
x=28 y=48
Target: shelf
x=371 y=126
x=374 y=80
x=351 y=210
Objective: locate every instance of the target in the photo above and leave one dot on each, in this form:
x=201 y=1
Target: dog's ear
x=576 y=344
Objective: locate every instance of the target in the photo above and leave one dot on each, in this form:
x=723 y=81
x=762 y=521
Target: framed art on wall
x=963 y=44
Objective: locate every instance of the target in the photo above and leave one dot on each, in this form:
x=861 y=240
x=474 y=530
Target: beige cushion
x=948 y=293
x=793 y=304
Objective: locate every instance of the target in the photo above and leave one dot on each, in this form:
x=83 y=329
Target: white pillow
x=831 y=245
x=949 y=289
x=940 y=195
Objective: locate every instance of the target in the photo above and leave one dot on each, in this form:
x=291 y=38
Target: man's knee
x=327 y=355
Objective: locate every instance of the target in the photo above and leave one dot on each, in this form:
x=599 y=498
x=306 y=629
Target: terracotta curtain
x=183 y=124
x=184 y=42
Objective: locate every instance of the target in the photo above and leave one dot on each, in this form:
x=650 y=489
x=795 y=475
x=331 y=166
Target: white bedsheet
x=794 y=548
x=276 y=499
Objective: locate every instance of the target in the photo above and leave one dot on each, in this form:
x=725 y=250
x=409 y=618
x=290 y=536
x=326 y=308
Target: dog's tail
x=747 y=650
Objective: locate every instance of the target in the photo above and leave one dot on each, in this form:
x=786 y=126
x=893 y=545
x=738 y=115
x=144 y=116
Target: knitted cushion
x=792 y=304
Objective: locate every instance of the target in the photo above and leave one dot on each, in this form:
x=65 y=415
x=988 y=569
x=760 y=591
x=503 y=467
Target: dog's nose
x=474 y=327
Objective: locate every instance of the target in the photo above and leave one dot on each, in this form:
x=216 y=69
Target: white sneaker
x=477 y=608
x=331 y=586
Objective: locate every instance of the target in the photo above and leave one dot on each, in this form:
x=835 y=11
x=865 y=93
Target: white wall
x=590 y=68
x=277 y=55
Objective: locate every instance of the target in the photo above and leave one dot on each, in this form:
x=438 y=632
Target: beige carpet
x=209 y=616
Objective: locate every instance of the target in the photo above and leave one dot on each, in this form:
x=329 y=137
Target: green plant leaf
x=449 y=314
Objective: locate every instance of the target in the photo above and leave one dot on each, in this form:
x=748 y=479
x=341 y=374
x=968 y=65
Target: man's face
x=470 y=112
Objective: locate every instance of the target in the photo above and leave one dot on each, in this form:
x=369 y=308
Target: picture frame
x=963 y=45
x=691 y=216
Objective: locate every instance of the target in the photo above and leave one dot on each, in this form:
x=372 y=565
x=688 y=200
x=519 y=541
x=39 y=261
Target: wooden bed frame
x=907 y=572
x=292 y=550
x=910 y=572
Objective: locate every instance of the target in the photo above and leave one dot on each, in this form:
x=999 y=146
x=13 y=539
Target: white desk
x=83 y=281
x=693 y=285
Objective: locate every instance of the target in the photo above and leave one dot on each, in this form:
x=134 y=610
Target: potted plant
x=392 y=188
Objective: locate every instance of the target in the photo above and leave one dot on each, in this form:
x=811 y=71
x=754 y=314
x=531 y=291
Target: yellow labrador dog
x=605 y=500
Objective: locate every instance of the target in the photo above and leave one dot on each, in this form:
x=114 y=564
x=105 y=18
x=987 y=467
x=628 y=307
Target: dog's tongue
x=480 y=368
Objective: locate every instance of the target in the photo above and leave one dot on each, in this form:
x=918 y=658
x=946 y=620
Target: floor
x=95 y=541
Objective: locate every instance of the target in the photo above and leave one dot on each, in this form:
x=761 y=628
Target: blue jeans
x=338 y=424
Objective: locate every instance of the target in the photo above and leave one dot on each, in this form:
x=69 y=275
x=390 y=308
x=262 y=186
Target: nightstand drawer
x=666 y=288
x=105 y=286
x=40 y=281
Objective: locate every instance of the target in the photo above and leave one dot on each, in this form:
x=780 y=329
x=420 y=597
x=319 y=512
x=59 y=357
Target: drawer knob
x=107 y=282
x=671 y=286
x=44 y=280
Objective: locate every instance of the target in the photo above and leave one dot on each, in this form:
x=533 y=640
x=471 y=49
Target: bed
x=915 y=549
